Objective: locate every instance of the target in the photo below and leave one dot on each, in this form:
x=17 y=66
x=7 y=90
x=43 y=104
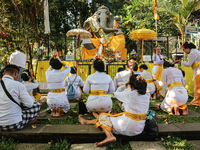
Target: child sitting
x=26 y=77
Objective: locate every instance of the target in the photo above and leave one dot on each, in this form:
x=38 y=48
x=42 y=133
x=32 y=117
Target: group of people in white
x=131 y=87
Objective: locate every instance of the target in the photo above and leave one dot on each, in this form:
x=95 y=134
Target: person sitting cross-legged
x=12 y=115
x=132 y=121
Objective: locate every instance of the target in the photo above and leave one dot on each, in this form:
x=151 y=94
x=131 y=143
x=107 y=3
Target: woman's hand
x=31 y=74
x=177 y=61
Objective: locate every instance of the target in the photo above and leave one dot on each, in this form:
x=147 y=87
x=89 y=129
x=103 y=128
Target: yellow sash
x=31 y=94
x=175 y=83
x=159 y=71
x=120 y=85
x=61 y=90
x=98 y=92
x=136 y=117
x=149 y=81
x=195 y=65
x=158 y=76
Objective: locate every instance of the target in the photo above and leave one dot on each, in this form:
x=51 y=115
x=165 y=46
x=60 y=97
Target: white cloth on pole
x=46 y=17
x=101 y=47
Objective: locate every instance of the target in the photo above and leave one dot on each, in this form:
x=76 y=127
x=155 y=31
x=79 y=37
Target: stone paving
x=146 y=145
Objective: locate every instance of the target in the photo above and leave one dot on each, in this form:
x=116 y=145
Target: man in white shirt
x=19 y=59
x=12 y=115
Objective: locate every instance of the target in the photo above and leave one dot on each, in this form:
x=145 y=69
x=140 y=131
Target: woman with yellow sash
x=56 y=98
x=132 y=121
x=177 y=95
x=148 y=77
x=157 y=68
x=78 y=82
x=194 y=63
x=98 y=85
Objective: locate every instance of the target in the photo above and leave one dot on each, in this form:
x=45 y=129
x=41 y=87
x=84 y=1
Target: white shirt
x=118 y=79
x=55 y=78
x=17 y=58
x=78 y=82
x=99 y=81
x=170 y=75
x=11 y=113
x=30 y=86
x=71 y=78
x=193 y=57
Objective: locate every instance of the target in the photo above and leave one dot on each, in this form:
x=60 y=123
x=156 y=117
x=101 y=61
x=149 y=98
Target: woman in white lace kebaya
x=157 y=68
x=99 y=85
x=56 y=97
x=177 y=95
x=194 y=63
x=78 y=82
x=132 y=121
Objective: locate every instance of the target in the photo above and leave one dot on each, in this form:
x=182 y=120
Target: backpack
x=151 y=125
x=71 y=91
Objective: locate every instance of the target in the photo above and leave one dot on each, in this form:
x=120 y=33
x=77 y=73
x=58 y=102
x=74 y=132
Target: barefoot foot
x=53 y=112
x=81 y=120
x=106 y=141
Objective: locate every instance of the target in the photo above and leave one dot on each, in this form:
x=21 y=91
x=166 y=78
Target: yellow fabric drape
x=158 y=76
x=117 y=42
x=44 y=65
x=195 y=65
x=196 y=99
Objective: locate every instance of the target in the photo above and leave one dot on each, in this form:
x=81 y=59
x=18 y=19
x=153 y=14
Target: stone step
x=85 y=133
x=195 y=144
x=32 y=146
x=146 y=145
x=86 y=146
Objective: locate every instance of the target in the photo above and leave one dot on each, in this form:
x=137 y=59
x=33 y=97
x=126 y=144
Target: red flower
x=55 y=56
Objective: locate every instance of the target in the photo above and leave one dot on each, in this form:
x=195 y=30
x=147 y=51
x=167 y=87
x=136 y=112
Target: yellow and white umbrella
x=143 y=34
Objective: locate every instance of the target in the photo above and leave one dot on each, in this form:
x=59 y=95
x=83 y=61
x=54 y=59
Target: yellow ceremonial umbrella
x=143 y=34
x=80 y=33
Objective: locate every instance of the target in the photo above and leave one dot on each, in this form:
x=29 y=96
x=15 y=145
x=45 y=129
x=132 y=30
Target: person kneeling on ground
x=132 y=121
x=12 y=116
x=177 y=96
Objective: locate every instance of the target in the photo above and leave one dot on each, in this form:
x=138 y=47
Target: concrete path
x=146 y=145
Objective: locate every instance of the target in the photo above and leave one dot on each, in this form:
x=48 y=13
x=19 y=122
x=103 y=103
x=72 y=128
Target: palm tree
x=181 y=11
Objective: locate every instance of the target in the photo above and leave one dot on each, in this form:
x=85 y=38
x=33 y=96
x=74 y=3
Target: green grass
x=118 y=145
x=60 y=145
x=72 y=119
x=7 y=143
x=175 y=143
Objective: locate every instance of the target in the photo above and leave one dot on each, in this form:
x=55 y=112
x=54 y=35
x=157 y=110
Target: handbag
x=82 y=107
x=151 y=125
x=9 y=96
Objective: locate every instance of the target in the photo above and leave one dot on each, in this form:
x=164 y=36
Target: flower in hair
x=139 y=77
x=55 y=56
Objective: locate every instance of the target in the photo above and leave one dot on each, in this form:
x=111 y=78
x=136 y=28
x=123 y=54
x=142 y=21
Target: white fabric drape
x=46 y=17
